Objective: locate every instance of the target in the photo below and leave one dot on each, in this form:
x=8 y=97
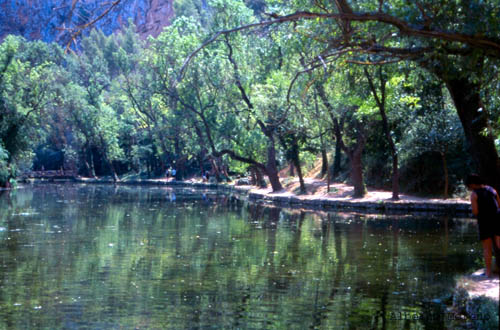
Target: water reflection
x=132 y=257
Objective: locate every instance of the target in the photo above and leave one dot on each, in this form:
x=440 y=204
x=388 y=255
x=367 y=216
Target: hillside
x=46 y=20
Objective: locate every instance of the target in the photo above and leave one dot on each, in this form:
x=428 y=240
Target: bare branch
x=74 y=33
x=372 y=88
x=237 y=77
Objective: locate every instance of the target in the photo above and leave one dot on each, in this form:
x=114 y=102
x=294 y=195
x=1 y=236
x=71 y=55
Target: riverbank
x=476 y=300
x=317 y=198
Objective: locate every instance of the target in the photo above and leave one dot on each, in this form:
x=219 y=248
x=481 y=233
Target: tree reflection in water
x=101 y=256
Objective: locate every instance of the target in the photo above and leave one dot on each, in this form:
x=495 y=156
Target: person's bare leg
x=497 y=252
x=487 y=245
x=497 y=239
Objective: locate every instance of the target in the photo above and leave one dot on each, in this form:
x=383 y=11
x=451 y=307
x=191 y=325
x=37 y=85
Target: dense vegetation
x=396 y=92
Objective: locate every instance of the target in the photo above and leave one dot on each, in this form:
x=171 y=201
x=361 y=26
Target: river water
x=105 y=257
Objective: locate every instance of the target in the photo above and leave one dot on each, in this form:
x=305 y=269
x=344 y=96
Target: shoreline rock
x=477 y=306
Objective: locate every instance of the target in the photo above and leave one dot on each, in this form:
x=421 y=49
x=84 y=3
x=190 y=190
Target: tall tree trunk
x=296 y=162
x=337 y=128
x=258 y=178
x=201 y=158
x=337 y=158
x=355 y=153
x=380 y=100
x=253 y=176
x=92 y=164
x=111 y=167
x=216 y=169
x=474 y=118
x=86 y=155
x=328 y=180
x=303 y=189
x=301 y=176
x=446 y=176
x=271 y=167
x=148 y=166
x=357 y=172
x=395 y=176
x=324 y=162
x=339 y=144
x=113 y=171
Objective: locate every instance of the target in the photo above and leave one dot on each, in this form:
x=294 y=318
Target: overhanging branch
x=489 y=45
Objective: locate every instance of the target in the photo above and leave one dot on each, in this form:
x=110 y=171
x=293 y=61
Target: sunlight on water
x=129 y=257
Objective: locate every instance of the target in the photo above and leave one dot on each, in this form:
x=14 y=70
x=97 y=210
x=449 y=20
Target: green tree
x=95 y=118
x=433 y=127
x=25 y=92
x=455 y=41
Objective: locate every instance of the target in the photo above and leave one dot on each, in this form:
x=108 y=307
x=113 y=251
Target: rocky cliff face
x=47 y=19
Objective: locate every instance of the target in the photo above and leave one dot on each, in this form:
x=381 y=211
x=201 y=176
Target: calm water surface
x=103 y=257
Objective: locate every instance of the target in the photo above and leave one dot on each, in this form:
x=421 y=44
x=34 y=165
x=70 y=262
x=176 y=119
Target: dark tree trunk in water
x=474 y=120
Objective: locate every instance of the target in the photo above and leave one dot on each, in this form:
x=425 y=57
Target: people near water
x=170 y=173
x=485 y=204
x=205 y=176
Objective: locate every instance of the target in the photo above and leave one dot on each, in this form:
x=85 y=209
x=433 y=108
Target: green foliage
x=434 y=132
x=121 y=104
x=5 y=171
x=26 y=92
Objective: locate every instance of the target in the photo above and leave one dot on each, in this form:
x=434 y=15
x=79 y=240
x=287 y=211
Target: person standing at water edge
x=485 y=206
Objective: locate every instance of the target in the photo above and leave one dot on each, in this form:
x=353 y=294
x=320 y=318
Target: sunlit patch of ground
x=480 y=285
x=318 y=188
